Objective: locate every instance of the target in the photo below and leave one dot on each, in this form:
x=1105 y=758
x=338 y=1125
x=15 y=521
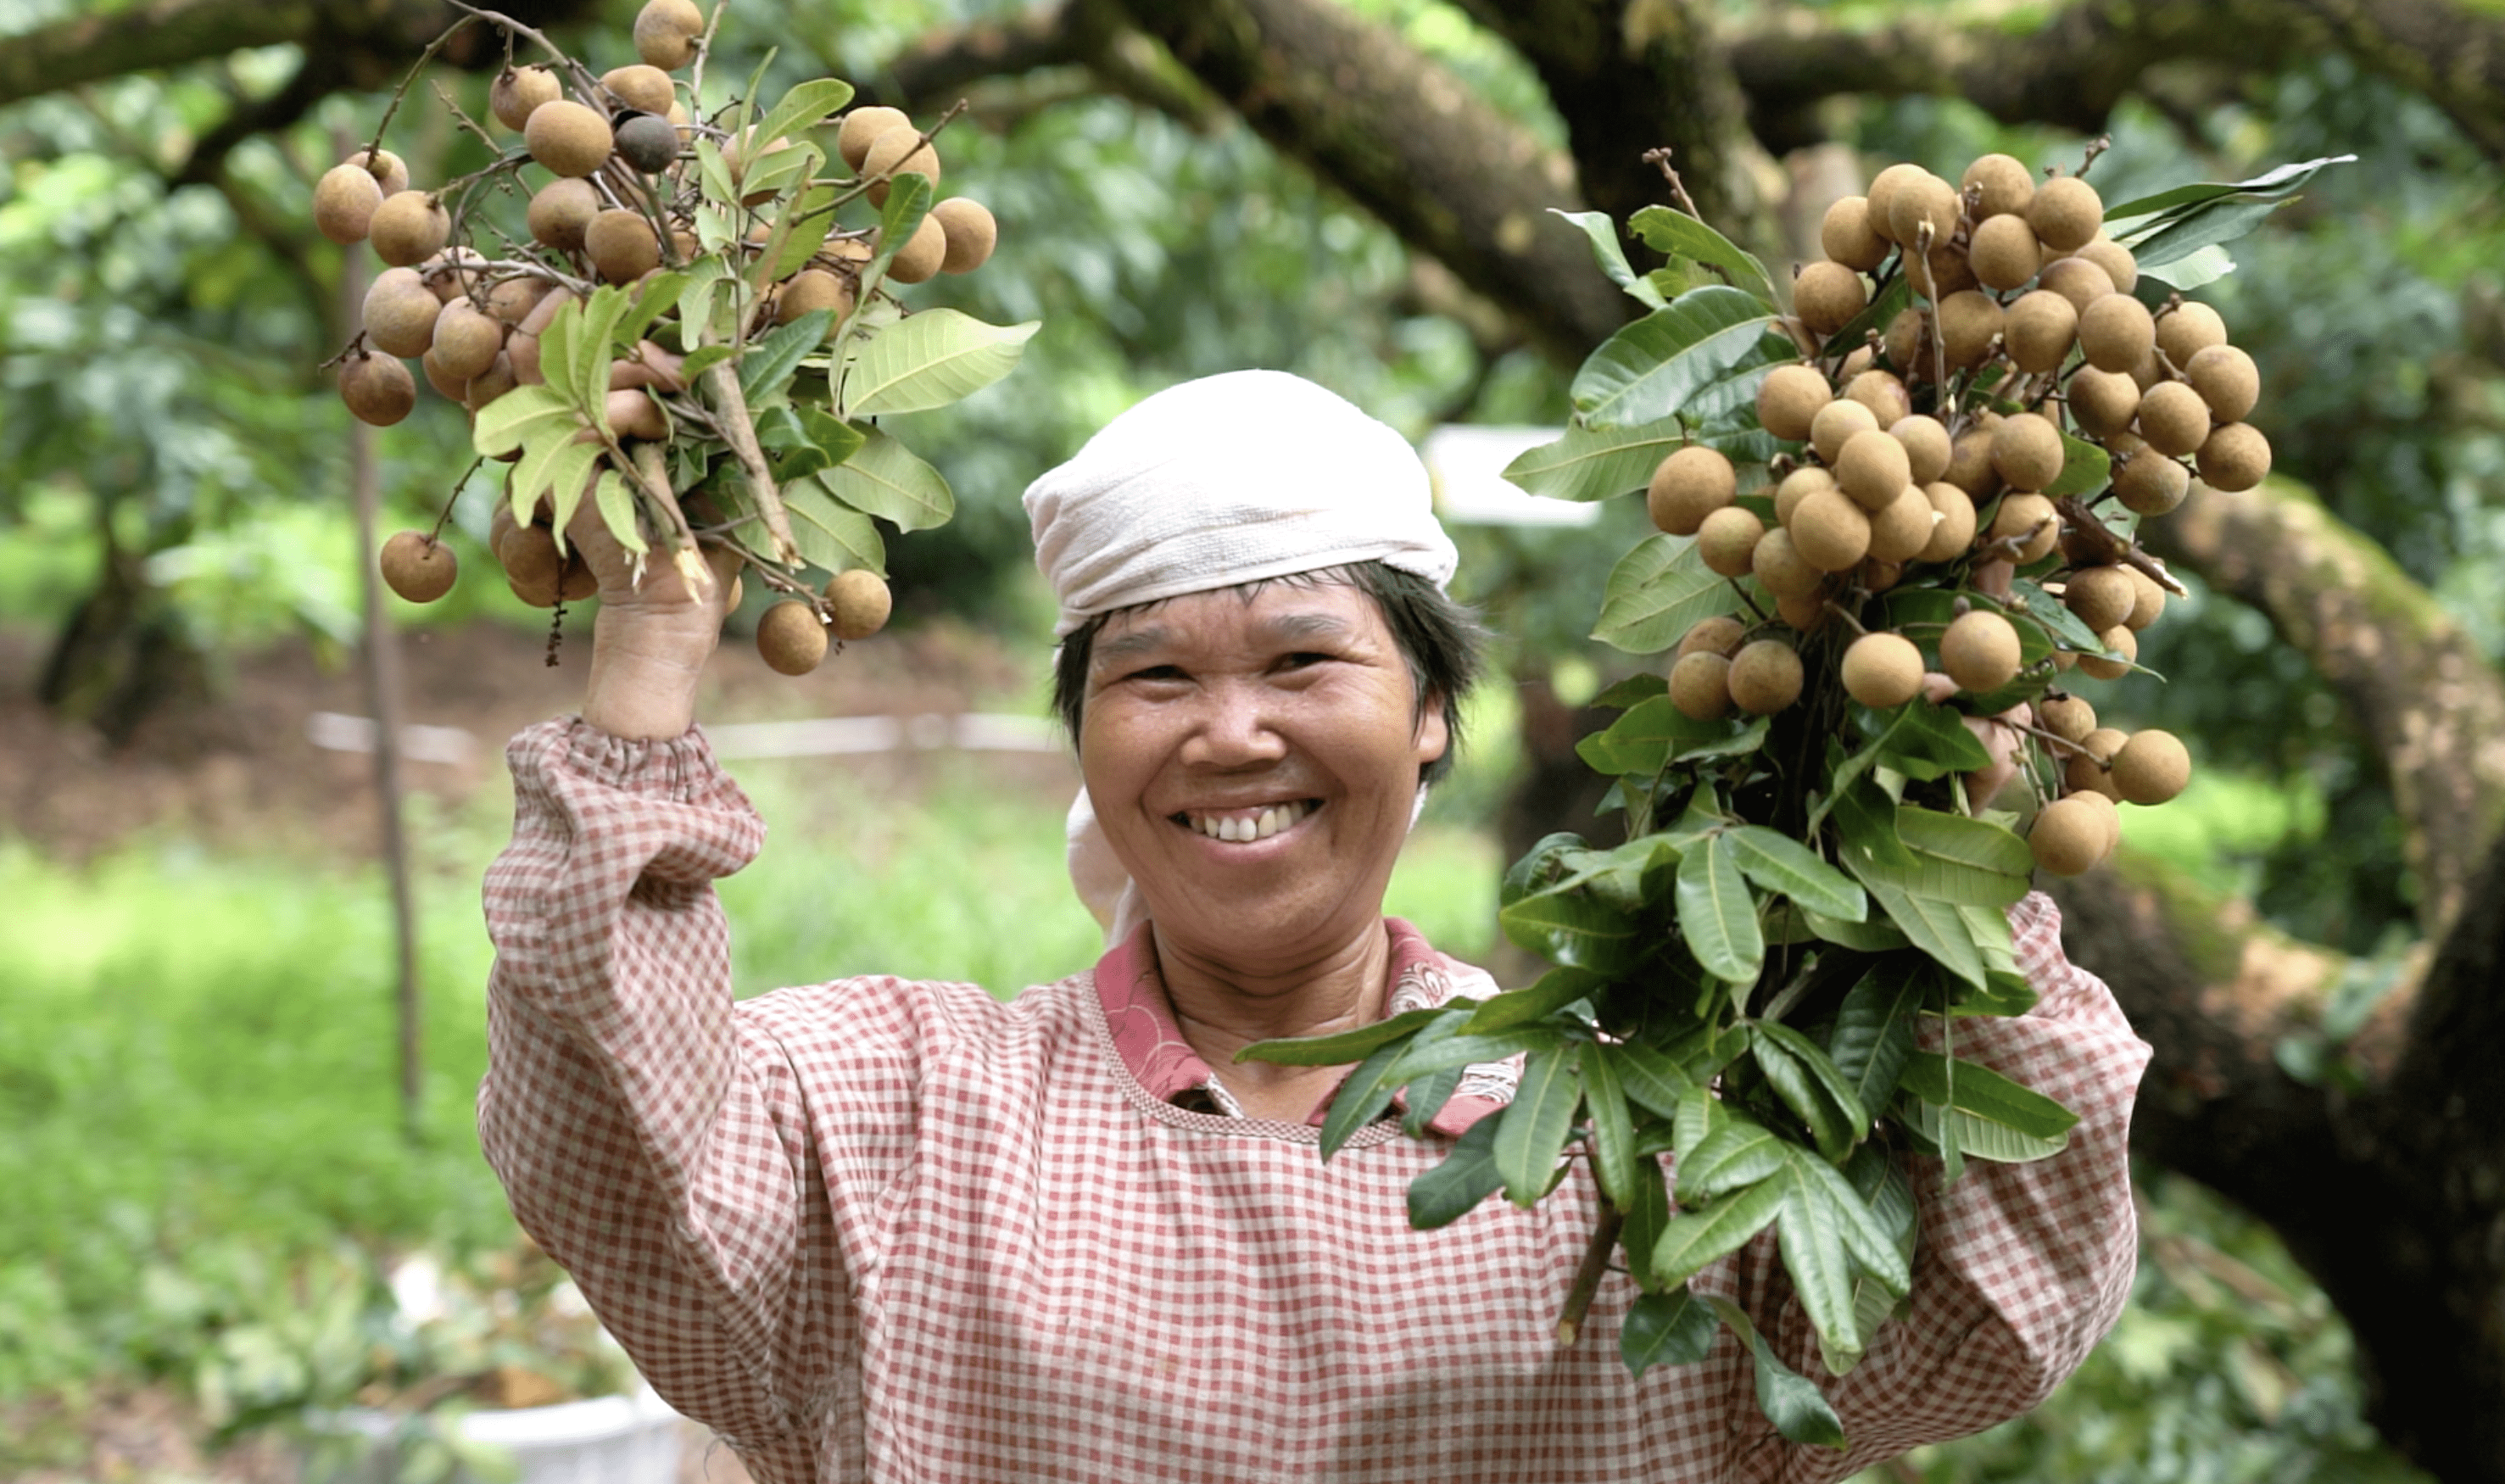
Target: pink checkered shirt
x=898 y=1230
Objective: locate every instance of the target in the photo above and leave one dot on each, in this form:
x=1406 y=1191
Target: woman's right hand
x=650 y=638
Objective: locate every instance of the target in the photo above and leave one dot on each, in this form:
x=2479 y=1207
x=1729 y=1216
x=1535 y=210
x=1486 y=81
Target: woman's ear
x=1435 y=733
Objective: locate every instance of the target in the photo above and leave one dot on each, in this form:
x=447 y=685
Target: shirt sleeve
x=649 y=1139
x=2022 y=1267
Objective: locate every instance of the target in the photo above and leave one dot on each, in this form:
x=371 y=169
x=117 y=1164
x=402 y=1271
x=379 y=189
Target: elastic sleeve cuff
x=678 y=769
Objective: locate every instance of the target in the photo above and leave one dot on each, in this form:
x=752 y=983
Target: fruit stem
x=374 y=146
x=730 y=408
x=1744 y=598
x=1596 y=1252
x=458 y=485
x=1678 y=187
x=584 y=82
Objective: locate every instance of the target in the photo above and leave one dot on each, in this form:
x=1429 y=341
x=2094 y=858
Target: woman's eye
x=1302 y=661
x=1156 y=672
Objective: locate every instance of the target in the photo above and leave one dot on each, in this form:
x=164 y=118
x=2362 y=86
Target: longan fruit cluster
x=610 y=176
x=1931 y=453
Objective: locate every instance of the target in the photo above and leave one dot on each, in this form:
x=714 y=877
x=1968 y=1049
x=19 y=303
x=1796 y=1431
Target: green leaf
x=1876 y=936
x=2279 y=180
x=1812 y=1251
x=1667 y=1328
x=593 y=347
x=1363 y=1096
x=1931 y=925
x=1613 y=1130
x=1337 y=1050
x=1647 y=736
x=1790 y=1401
x=2057 y=619
x=1651 y=368
x=1536 y=1123
x=767 y=365
x=840 y=439
x=1650 y=1076
x=1892 y=302
x=1717 y=915
x=1657 y=592
x=909 y=202
x=1451 y=1049
x=1463 y=1179
x=931 y=359
x=1740 y=1152
x=804 y=106
x=618 y=510
x=1956 y=861
x=2085 y=469
x=1824 y=1099
x=1602 y=235
x=1699 y=1117
x=787 y=443
x=1986 y=1094
x=1677 y=234
x=1552 y=991
x=2192 y=271
x=1538 y=869
x=1784 y=865
x=1597 y=463
x=830 y=534
x=1425 y=1098
x=1928 y=741
x=524 y=413
x=1574 y=930
x=1974 y=842
x=1696 y=1238
x=1867 y=817
x=884 y=478
x=1947 y=1128
x=1647 y=1217
x=1643 y=685
x=1874 y=1027
x=2181 y=234
x=811 y=222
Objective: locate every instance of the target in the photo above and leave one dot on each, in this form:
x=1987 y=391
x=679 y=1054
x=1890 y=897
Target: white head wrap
x=1227 y=480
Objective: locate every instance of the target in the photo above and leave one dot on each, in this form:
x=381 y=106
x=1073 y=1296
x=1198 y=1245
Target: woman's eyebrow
x=1138 y=640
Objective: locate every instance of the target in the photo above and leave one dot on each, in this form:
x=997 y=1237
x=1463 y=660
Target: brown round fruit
x=2084 y=772
x=1907 y=343
x=2103 y=403
x=666 y=32
x=2115 y=333
x=860 y=602
x=1882 y=671
x=2120 y=639
x=971 y=233
x=898 y=152
x=344 y=201
x=1880 y=199
x=2038 y=331
x=2068 y=716
x=1924 y=200
x=2189 y=329
x=2004 y=254
x=2151 y=768
x=1844 y=234
x=2149 y=483
x=1828 y=295
x=1970 y=459
x=1900 y=531
x=649 y=142
x=2226 y=379
x=1926 y=446
x=633 y=413
x=2101 y=596
x=1719 y=635
x=2005 y=186
x=561 y=212
x=566 y=138
x=1777 y=564
x=2068 y=836
x=1690 y=485
x=1968 y=323
x=2148 y=600
x=1788 y=397
x=534 y=568
x=1700 y=685
x=922 y=254
x=792 y=638
x=2067 y=213
x=2121 y=270
x=1836 y=424
x=489 y=384
x=419 y=567
x=1727 y=540
x=2027 y=451
x=377 y=389
x=512 y=300
x=518 y=92
x=2029 y=519
x=466 y=340
x=1944 y=272
x=408 y=227
x=2079 y=280
x=2235 y=457
x=1980 y=652
x=1883 y=393
x=1873 y=468
x=640 y=87
x=399 y=312
x=811 y=290
x=862 y=128
x=1830 y=532
x=1952 y=533
x=1765 y=677
x=1799 y=485
x=621 y=245
x=2107 y=815
x=2173 y=418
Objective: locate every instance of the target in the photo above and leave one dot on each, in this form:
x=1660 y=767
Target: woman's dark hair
x=1439 y=639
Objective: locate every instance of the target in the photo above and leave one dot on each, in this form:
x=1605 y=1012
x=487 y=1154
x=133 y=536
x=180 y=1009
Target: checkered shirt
x=888 y=1229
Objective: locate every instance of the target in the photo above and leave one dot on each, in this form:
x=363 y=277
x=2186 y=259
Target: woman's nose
x=1235 y=729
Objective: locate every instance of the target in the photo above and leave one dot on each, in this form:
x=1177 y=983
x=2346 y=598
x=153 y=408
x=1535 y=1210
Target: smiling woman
x=894 y=1230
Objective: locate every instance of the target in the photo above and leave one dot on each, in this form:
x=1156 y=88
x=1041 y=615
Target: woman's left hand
x=2000 y=737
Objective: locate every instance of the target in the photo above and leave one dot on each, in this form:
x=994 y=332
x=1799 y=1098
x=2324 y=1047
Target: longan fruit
x=2108 y=814
x=377 y=389
x=2027 y=451
x=1872 y=468
x=1690 y=485
x=666 y=32
x=2068 y=716
x=466 y=341
x=1952 y=533
x=1882 y=671
x=922 y=254
x=399 y=312
x=2226 y=379
x=489 y=384
x=1942 y=273
x=2147 y=373
x=2007 y=185
x=648 y=142
x=899 y=151
x=2148 y=601
x=561 y=212
x=2067 y=213
x=2077 y=279
x=1879 y=202
x=1777 y=564
x=1788 y=397
x=2100 y=597
x=2120 y=639
x=809 y=291
x=2038 y=331
x=2104 y=745
x=1844 y=234
x=2173 y=418
x=417 y=567
x=522 y=351
x=1968 y=323
x=1719 y=635
x=622 y=245
x=2235 y=457
x=1970 y=458
x=640 y=87
x=1765 y=677
x=344 y=201
x=1901 y=531
x=860 y=602
x=2103 y=403
x=2084 y=773
x=790 y=637
x=2115 y=333
x=633 y=413
x=1727 y=540
x=449 y=387
x=534 y=568
x=1826 y=296
x=2151 y=768
x=1980 y=652
x=1926 y=446
x=1700 y=685
x=1806 y=613
x=449 y=273
x=862 y=128
x=2068 y=836
x=2004 y=253
x=577 y=582
x=2189 y=329
x=1830 y=532
x=2031 y=519
x=1835 y=424
x=566 y=138
x=1876 y=575
x=518 y=92
x=2121 y=267
x=388 y=169
x=408 y=227
x=1799 y=485
x=971 y=233
x=1920 y=200
x=1861 y=359
x=1883 y=393
x=512 y=300
x=1908 y=342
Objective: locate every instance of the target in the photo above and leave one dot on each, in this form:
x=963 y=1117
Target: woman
x=896 y=1230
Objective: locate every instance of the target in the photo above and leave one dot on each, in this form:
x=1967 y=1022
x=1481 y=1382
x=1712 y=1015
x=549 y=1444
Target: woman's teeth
x=1257 y=825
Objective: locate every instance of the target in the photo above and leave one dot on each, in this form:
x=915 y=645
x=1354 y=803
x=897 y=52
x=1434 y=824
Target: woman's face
x=1253 y=762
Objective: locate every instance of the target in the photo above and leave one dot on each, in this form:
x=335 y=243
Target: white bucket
x=627 y=1440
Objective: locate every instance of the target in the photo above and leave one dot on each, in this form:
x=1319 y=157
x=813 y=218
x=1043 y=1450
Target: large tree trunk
x=124 y=656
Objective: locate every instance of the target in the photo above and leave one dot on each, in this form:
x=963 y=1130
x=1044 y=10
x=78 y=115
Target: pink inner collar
x=1151 y=1045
